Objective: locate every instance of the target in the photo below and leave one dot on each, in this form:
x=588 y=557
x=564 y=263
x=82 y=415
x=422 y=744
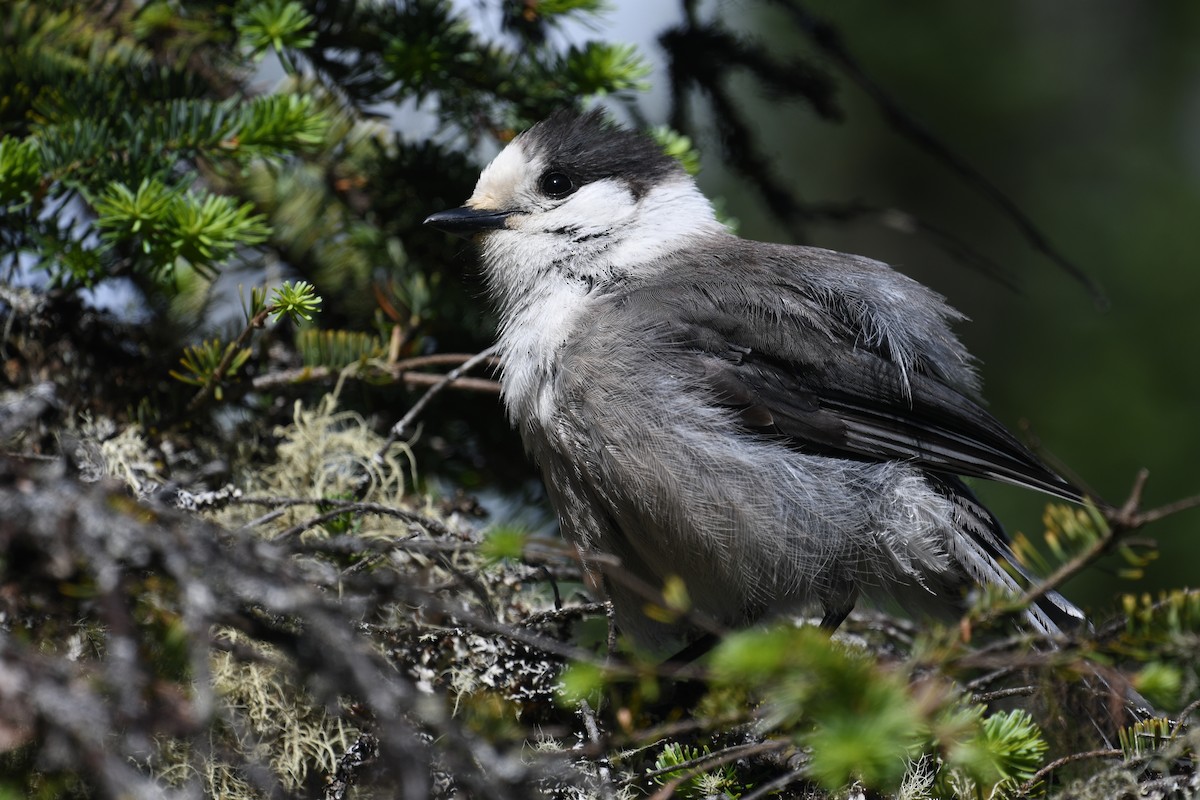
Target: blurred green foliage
x=862 y=722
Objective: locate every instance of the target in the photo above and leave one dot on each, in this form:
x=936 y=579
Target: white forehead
x=501 y=180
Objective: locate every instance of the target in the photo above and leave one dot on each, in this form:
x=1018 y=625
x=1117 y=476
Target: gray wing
x=863 y=367
x=842 y=377
x=853 y=403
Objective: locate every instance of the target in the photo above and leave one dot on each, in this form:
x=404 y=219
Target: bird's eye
x=557 y=184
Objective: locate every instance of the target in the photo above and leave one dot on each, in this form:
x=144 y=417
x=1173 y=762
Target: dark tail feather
x=982 y=549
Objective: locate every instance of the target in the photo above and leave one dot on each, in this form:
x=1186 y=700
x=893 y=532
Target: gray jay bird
x=783 y=428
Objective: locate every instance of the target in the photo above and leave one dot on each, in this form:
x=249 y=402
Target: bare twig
x=1182 y=718
x=513 y=633
x=595 y=737
x=1129 y=517
x=560 y=614
x=472 y=583
x=401 y=428
x=1041 y=774
x=709 y=762
x=774 y=785
x=345 y=506
x=231 y=351
x=667 y=730
x=984 y=680
x=1069 y=569
x=1155 y=514
x=1000 y=694
x=349 y=544
x=404 y=371
x=1126 y=516
x=1121 y=522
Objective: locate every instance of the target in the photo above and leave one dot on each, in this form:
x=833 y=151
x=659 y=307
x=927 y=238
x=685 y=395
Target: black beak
x=466 y=221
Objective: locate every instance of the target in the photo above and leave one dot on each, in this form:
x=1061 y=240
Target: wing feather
x=842 y=375
x=919 y=420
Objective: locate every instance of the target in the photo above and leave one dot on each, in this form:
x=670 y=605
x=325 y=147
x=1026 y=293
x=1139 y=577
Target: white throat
x=531 y=334
x=544 y=278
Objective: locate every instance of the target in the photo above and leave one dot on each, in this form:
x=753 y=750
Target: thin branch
x=707 y=763
x=438 y=360
x=473 y=584
x=1127 y=515
x=670 y=730
x=1182 y=717
x=351 y=506
x=543 y=644
x=1142 y=518
x=984 y=680
x=401 y=429
x=595 y=738
x=1120 y=521
x=403 y=371
x=1041 y=774
x=556 y=615
x=352 y=545
x=1000 y=694
x=231 y=351
x=1068 y=569
x=772 y=786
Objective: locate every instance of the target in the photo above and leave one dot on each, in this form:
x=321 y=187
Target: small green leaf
x=504 y=543
x=601 y=68
x=1160 y=683
x=20 y=170
x=275 y=24
x=1146 y=736
x=675 y=594
x=554 y=8
x=579 y=682
x=200 y=362
x=296 y=300
x=1006 y=750
x=678 y=147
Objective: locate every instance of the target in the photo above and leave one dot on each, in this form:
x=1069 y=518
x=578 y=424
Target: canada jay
x=781 y=427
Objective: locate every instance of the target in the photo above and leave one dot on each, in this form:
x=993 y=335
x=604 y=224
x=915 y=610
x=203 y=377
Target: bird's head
x=578 y=199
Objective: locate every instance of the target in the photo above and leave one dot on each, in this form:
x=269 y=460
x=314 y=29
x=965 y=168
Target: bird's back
x=669 y=448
